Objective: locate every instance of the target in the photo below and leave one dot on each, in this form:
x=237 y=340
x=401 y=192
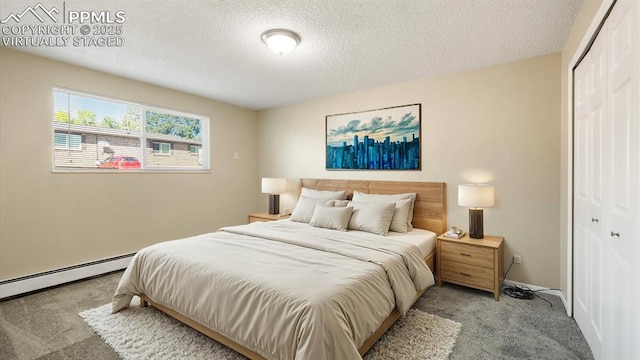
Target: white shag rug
x=146 y=333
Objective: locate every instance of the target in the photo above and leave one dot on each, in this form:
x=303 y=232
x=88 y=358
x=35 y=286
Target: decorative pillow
x=336 y=218
x=323 y=194
x=400 y=216
x=305 y=206
x=371 y=217
x=385 y=198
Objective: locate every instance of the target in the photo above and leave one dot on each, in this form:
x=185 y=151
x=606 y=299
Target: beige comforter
x=283 y=289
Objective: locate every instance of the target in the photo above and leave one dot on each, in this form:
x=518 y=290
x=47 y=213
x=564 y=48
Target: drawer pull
x=465 y=274
x=463 y=254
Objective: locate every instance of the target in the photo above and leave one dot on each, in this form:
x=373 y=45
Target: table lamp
x=476 y=197
x=274 y=187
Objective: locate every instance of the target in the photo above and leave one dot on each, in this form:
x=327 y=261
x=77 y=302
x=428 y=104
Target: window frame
x=205 y=138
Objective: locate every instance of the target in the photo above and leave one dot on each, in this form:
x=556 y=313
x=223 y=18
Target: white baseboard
x=26 y=284
x=542 y=290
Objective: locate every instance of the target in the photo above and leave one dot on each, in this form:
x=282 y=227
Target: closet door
x=590 y=242
x=624 y=113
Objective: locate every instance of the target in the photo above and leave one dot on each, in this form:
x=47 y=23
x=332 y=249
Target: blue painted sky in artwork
x=394 y=123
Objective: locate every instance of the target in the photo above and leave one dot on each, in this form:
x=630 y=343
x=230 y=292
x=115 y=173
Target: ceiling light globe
x=281 y=41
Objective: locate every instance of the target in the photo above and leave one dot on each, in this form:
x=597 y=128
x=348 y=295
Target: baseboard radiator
x=25 y=284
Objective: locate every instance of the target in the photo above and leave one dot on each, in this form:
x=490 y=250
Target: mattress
x=425 y=240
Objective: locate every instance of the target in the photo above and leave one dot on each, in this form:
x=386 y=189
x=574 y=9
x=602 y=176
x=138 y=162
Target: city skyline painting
x=382 y=139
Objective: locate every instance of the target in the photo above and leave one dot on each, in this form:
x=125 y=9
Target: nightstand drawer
x=467 y=254
x=467 y=274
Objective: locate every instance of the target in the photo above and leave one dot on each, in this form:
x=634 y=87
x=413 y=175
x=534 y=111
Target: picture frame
x=380 y=139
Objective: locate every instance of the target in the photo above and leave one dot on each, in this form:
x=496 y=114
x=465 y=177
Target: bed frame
x=429 y=213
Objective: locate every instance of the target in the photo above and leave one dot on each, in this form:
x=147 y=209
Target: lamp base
x=476 y=230
x=274 y=204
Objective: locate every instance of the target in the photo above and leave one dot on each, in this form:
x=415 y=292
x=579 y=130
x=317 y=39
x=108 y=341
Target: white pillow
x=400 y=216
x=371 y=217
x=305 y=206
x=323 y=194
x=336 y=218
x=386 y=198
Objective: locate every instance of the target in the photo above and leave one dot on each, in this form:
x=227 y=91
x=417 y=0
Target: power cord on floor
x=522 y=292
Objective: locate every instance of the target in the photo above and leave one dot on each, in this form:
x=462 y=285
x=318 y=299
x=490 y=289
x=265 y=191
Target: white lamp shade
x=476 y=196
x=274 y=185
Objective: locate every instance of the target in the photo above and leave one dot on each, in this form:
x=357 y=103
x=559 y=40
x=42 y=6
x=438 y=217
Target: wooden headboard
x=429 y=211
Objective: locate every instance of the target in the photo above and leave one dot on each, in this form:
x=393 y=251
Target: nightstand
x=475 y=263
x=266 y=217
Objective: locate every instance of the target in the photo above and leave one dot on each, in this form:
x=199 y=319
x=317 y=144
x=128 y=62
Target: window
x=92 y=132
x=161 y=148
x=194 y=149
x=67 y=141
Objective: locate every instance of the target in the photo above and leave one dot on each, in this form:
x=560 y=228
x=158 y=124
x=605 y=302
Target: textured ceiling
x=213 y=48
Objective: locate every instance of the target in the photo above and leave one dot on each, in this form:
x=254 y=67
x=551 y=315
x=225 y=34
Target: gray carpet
x=46 y=325
x=506 y=329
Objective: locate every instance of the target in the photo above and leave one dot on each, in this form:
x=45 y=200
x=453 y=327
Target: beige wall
x=55 y=220
x=498 y=124
x=580 y=27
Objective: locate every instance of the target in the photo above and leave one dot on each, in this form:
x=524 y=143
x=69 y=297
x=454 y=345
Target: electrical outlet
x=517 y=259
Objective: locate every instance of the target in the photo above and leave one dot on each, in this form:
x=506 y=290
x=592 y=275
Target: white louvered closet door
x=607 y=187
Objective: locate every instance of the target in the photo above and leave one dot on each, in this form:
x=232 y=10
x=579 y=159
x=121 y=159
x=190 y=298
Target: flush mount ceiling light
x=280 y=41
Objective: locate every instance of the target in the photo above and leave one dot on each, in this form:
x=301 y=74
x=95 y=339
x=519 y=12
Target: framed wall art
x=382 y=139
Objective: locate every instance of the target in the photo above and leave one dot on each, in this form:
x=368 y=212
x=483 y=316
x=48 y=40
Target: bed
x=288 y=290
